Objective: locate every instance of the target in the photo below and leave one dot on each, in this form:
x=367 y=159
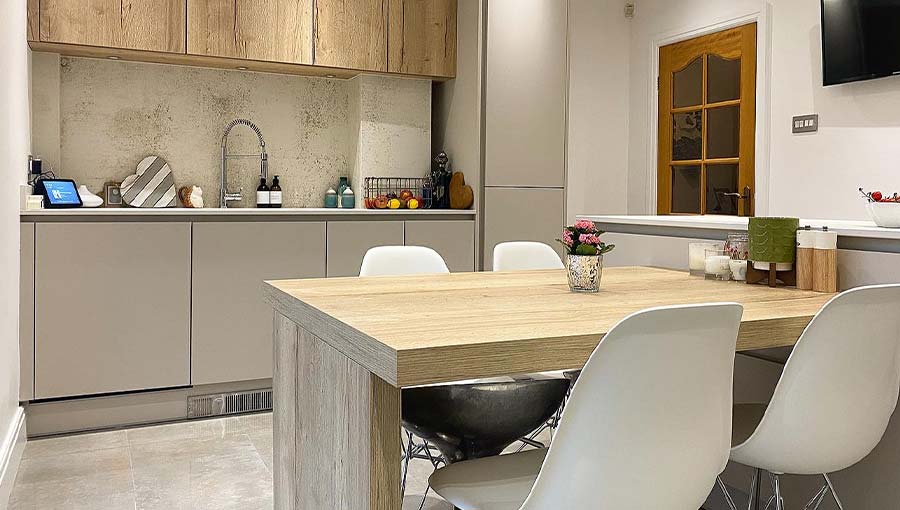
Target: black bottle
x=262 y=194
x=275 y=194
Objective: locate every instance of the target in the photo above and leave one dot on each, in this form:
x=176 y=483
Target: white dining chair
x=402 y=260
x=524 y=256
x=648 y=425
x=834 y=399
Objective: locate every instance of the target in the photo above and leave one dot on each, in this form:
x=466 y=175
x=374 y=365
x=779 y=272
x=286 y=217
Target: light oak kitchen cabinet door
x=453 y=240
x=351 y=34
x=270 y=30
x=422 y=37
x=522 y=214
x=526 y=93
x=149 y=25
x=112 y=307
x=231 y=322
x=348 y=242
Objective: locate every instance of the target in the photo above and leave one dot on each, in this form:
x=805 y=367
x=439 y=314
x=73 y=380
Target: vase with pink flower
x=584 y=255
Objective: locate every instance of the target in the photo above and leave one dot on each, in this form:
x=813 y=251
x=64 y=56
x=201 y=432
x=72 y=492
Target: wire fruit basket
x=398 y=193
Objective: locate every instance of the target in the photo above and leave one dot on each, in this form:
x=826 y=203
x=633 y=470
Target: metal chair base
x=777 y=498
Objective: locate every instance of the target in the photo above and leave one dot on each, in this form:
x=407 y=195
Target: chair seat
x=746 y=418
x=492 y=483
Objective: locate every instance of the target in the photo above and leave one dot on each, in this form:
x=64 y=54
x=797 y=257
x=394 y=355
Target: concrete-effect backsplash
x=94 y=120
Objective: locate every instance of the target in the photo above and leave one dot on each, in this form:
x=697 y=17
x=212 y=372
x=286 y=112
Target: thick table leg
x=337 y=428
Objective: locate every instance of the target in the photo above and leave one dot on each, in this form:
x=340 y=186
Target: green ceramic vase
x=773 y=239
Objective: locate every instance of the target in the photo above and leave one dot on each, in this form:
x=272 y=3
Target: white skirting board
x=10 y=454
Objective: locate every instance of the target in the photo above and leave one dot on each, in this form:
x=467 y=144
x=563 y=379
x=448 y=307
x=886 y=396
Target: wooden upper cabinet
x=267 y=30
x=422 y=37
x=34 y=29
x=351 y=34
x=149 y=25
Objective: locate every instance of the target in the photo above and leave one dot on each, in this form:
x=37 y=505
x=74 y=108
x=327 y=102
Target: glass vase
x=584 y=272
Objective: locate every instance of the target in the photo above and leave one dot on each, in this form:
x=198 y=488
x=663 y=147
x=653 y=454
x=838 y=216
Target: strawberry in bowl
x=883 y=209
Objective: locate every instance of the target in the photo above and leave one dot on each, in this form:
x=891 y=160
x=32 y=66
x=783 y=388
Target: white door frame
x=762 y=187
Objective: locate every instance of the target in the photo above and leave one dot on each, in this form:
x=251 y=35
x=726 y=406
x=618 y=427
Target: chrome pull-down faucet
x=226 y=196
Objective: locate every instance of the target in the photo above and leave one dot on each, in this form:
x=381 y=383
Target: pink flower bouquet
x=583 y=238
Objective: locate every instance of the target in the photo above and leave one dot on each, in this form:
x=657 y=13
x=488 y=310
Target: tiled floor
x=214 y=464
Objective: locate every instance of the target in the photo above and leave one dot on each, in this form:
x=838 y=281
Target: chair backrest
x=838 y=390
x=401 y=260
x=525 y=255
x=649 y=421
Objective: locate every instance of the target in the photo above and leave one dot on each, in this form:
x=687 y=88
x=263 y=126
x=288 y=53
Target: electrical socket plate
x=805 y=124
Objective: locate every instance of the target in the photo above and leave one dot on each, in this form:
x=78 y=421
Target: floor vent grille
x=223 y=404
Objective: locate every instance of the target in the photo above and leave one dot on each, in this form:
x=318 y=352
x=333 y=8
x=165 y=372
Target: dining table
x=344 y=348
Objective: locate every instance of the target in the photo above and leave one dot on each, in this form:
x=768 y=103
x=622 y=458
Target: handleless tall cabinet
x=526 y=90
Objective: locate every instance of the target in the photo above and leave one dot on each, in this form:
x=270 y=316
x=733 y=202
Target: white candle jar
x=717 y=265
x=697 y=257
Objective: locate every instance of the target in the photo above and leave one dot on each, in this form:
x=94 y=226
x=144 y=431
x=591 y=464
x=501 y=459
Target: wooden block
x=805 y=268
x=825 y=278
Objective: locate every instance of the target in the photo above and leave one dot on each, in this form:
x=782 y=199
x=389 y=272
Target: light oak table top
x=413 y=330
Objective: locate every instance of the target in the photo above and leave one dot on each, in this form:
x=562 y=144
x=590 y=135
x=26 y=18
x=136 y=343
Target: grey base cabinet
x=348 y=242
x=231 y=323
x=112 y=307
x=454 y=240
x=522 y=214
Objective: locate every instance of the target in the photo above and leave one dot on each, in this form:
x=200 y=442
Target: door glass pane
x=687 y=136
x=687 y=85
x=723 y=79
x=724 y=136
x=721 y=179
x=686 y=189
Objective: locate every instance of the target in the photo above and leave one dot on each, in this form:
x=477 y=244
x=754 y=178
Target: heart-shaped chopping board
x=153 y=185
x=461 y=195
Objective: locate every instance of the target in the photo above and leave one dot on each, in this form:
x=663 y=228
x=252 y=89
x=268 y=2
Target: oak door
x=149 y=25
x=351 y=34
x=272 y=30
x=707 y=124
x=422 y=37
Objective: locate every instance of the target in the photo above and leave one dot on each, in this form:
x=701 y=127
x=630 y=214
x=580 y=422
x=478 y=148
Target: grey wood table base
x=337 y=428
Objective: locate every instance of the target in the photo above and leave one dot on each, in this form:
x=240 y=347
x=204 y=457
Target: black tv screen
x=860 y=40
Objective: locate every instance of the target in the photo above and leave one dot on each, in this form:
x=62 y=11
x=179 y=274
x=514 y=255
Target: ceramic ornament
x=153 y=185
x=191 y=197
x=89 y=199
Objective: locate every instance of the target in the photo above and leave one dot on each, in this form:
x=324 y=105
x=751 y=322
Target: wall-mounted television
x=860 y=40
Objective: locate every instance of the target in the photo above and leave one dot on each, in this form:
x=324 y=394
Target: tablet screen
x=61 y=193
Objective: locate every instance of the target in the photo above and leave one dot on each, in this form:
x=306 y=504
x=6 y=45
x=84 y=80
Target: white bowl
x=884 y=214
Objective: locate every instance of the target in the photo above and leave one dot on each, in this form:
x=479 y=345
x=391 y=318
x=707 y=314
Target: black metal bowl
x=470 y=421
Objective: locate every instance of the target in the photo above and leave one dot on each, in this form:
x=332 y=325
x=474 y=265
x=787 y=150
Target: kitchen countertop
x=846 y=228
x=176 y=212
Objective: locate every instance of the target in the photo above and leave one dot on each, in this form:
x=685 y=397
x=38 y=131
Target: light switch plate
x=805 y=124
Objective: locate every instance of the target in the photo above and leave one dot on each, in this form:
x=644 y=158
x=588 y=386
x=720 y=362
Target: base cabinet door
x=453 y=240
x=348 y=242
x=112 y=307
x=231 y=322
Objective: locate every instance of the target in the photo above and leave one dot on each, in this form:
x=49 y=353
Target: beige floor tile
x=74 y=444
x=199 y=474
x=95 y=480
x=110 y=462
x=190 y=430
x=263 y=442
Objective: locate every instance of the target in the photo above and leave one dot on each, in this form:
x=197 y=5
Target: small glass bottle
x=262 y=194
x=275 y=194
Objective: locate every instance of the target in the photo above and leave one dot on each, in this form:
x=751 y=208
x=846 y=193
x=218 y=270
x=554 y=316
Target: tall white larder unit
x=526 y=83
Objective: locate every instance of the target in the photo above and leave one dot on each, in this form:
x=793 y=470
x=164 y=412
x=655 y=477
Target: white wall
x=598 y=98
x=14 y=148
x=813 y=176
